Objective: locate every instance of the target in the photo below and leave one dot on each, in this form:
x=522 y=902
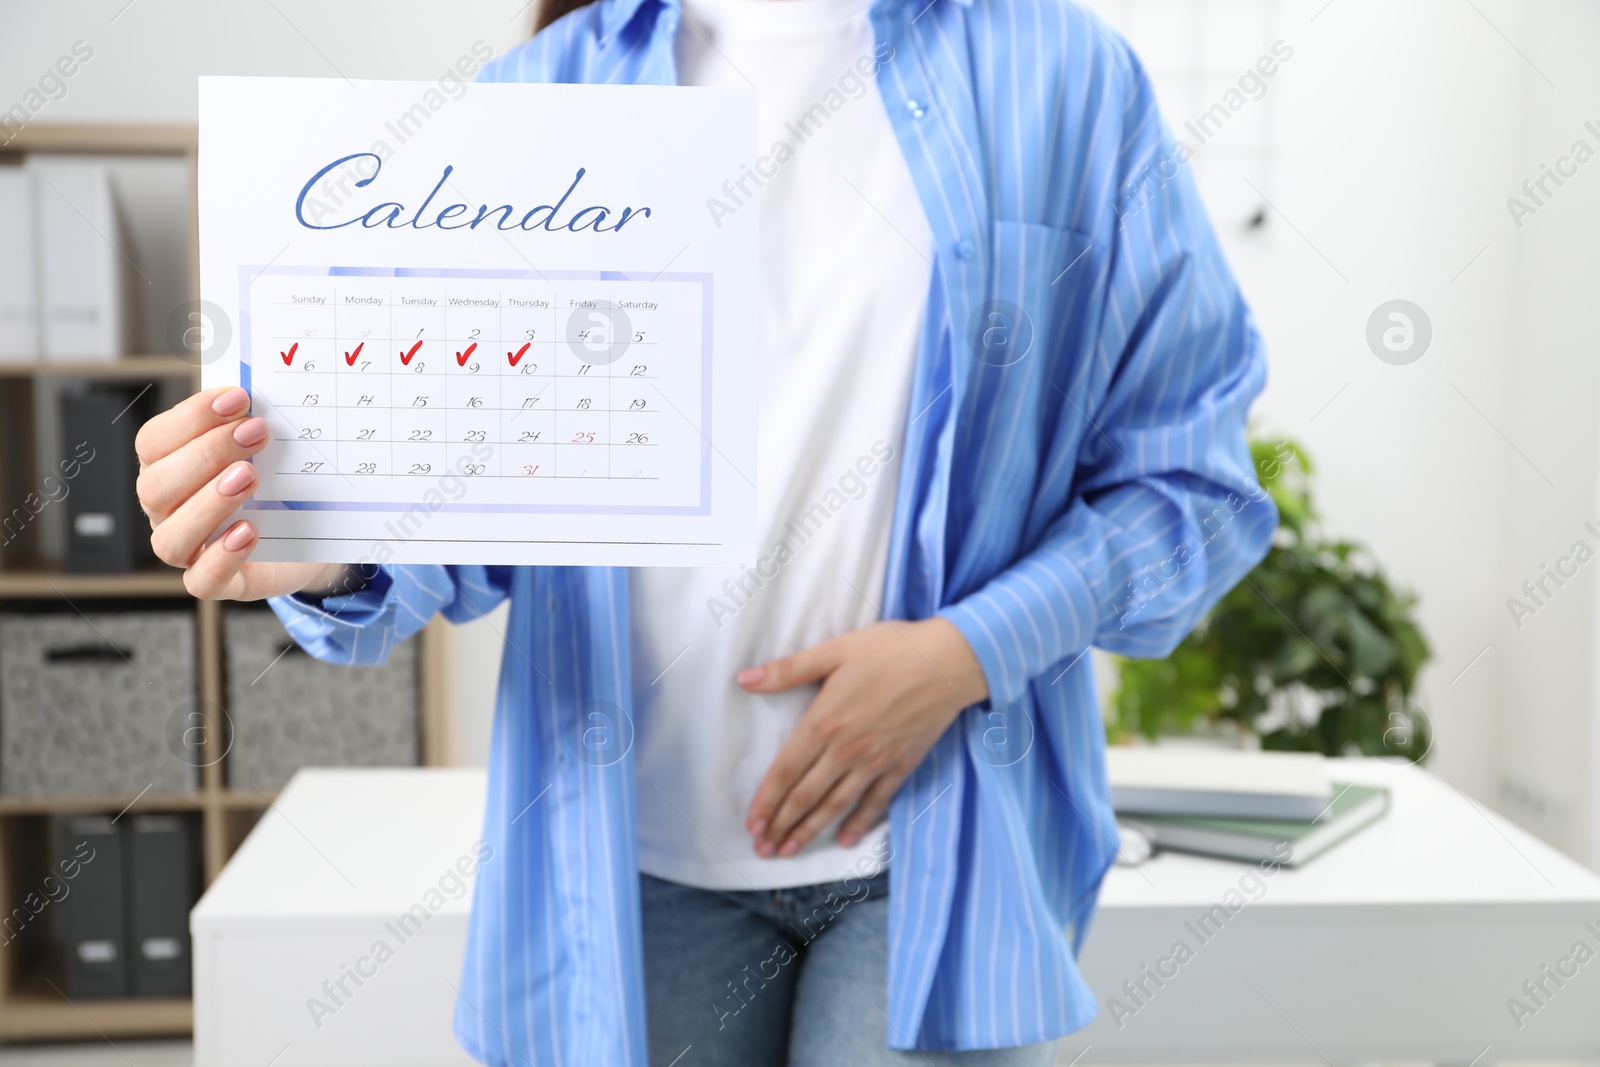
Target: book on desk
x=1254 y=807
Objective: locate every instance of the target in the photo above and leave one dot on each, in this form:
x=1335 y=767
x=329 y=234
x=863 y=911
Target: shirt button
x=916 y=109
x=966 y=249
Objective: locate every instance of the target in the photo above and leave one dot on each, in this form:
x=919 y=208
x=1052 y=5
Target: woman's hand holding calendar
x=889 y=691
x=193 y=474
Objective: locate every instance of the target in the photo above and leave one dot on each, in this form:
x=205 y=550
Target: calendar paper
x=516 y=326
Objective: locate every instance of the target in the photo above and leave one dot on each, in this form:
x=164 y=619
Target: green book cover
x=1352 y=808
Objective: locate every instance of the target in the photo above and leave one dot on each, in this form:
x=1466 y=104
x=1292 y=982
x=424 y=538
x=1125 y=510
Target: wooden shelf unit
x=31 y=1007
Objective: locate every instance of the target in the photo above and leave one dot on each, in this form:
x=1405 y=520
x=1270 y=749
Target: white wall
x=147 y=53
x=1395 y=125
x=1547 y=740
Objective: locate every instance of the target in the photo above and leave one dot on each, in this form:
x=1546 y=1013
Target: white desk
x=1402 y=943
x=320 y=880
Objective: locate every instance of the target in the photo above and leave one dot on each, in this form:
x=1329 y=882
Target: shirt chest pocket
x=1043 y=284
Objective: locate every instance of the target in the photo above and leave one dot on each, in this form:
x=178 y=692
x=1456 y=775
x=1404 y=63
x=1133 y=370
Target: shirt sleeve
x=1166 y=514
x=394 y=602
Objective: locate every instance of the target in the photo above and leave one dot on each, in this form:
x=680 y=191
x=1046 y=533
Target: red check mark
x=405 y=357
x=514 y=359
x=350 y=357
x=462 y=357
x=288 y=357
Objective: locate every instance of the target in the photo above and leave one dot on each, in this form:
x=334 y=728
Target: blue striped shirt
x=1082 y=480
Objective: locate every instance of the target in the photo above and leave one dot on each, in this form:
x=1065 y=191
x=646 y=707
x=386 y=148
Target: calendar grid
x=537 y=391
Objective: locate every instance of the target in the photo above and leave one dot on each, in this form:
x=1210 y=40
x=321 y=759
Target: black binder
x=90 y=924
x=162 y=879
x=106 y=531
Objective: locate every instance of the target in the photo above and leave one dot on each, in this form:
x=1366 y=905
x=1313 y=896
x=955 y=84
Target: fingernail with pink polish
x=751 y=676
x=789 y=848
x=764 y=849
x=236 y=479
x=250 y=432
x=238 y=537
x=758 y=828
x=231 y=402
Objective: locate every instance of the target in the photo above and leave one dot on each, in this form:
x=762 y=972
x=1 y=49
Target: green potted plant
x=1313 y=651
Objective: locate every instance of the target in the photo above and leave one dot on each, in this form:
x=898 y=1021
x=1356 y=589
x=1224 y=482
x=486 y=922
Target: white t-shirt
x=845 y=267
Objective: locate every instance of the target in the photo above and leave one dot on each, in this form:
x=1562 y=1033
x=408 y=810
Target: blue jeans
x=769 y=978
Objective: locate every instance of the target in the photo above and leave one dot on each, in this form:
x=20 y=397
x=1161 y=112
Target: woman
x=1005 y=378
